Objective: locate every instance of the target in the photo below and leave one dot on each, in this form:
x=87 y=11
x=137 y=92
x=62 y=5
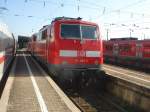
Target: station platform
x=133 y=76
x=30 y=89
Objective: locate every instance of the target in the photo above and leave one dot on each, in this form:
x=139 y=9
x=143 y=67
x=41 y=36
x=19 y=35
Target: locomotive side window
x=89 y=32
x=70 y=31
x=39 y=36
x=44 y=34
x=34 y=38
x=52 y=32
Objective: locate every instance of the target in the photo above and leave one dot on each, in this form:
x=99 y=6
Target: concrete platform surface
x=30 y=89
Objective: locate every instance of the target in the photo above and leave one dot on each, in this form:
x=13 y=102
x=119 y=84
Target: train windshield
x=70 y=31
x=89 y=32
x=78 y=31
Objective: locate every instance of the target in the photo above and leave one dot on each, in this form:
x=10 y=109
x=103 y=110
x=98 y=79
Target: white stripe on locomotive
x=68 y=53
x=93 y=53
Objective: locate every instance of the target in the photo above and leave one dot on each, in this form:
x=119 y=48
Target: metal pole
x=107 y=34
x=130 y=33
x=144 y=36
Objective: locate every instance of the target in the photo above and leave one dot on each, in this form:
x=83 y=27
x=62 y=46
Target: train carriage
x=69 y=45
x=7 y=49
x=128 y=51
x=143 y=53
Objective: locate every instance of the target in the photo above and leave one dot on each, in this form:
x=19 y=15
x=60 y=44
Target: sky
x=116 y=18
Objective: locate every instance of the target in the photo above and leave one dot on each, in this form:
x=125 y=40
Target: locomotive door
x=115 y=50
x=139 y=53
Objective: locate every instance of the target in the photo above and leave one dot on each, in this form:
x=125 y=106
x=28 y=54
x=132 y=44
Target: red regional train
x=68 y=46
x=128 y=51
x=7 y=49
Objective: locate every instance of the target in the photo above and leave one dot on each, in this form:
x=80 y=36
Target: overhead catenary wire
x=79 y=6
x=87 y=4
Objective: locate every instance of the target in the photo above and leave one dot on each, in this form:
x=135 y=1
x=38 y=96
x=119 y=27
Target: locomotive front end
x=79 y=48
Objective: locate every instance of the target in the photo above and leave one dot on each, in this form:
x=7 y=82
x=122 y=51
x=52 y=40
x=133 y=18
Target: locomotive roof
x=44 y=27
x=68 y=20
x=73 y=20
x=4 y=33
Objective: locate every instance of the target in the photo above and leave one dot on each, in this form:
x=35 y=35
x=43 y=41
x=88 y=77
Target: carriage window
x=109 y=47
x=125 y=48
x=70 y=31
x=89 y=32
x=146 y=49
x=146 y=46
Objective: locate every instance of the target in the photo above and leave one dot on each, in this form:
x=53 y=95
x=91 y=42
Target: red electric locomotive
x=69 y=46
x=128 y=51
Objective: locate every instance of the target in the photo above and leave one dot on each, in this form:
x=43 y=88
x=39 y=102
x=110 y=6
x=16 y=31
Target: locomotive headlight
x=96 y=62
x=64 y=62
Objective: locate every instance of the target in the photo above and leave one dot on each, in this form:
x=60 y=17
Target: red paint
x=47 y=49
x=128 y=51
x=2 y=59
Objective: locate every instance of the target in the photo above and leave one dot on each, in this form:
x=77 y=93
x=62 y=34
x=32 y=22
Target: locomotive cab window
x=70 y=31
x=89 y=32
x=78 y=31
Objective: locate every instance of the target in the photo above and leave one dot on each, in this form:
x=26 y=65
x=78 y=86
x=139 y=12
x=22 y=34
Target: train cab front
x=79 y=47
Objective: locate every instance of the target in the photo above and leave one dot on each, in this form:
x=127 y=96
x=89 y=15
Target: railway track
x=89 y=99
x=94 y=101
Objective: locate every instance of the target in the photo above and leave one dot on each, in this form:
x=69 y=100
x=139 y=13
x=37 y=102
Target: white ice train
x=7 y=49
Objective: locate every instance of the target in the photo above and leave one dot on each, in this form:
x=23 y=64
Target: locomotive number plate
x=81 y=53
